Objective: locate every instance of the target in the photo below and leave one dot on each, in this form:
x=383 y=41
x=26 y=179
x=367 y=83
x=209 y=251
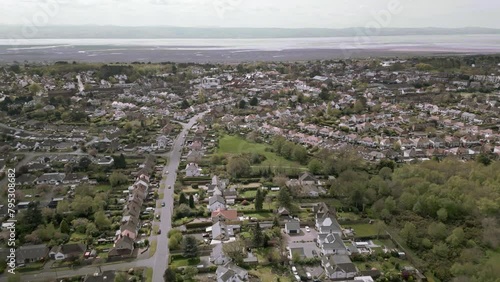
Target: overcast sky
x=253 y=13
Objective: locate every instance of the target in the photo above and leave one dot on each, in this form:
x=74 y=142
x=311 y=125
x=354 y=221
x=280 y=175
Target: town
x=337 y=170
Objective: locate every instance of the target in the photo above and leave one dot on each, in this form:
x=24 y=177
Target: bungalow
x=307 y=179
x=292 y=227
x=216 y=202
x=107 y=160
x=25 y=179
x=29 y=253
x=67 y=251
x=192 y=170
x=51 y=178
x=231 y=273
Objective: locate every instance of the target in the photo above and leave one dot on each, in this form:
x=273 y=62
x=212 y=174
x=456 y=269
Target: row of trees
x=290 y=150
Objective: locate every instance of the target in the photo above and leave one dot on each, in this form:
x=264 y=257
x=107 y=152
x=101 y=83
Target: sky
x=254 y=13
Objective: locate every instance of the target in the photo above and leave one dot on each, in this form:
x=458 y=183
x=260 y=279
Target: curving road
x=159 y=261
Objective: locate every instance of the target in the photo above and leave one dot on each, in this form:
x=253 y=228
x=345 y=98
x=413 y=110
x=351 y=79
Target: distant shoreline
x=128 y=55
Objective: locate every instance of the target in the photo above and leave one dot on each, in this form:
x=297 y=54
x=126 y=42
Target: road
x=162 y=253
x=159 y=261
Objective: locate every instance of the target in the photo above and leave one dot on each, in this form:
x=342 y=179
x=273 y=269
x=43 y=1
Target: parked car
x=163 y=204
x=297 y=278
x=308 y=275
x=159 y=231
x=206 y=235
x=315 y=254
x=294 y=270
x=308 y=229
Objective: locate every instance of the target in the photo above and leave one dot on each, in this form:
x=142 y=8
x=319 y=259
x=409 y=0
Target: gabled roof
x=292 y=225
x=32 y=252
x=227 y=214
x=216 y=198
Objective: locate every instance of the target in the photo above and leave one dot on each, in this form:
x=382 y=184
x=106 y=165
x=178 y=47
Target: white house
x=216 y=202
x=192 y=170
x=231 y=273
x=210 y=83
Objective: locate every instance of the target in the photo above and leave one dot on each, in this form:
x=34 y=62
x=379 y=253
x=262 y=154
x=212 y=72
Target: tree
x=117 y=179
x=82 y=205
x=182 y=198
x=258 y=236
x=238 y=166
x=185 y=104
x=101 y=220
x=84 y=163
x=169 y=275
x=190 y=247
x=284 y=197
x=254 y=101
x=324 y=94
x=121 y=277
x=189 y=273
x=299 y=154
x=191 y=201
x=119 y=161
x=242 y=104
x=235 y=250
x=35 y=88
x=64 y=227
x=315 y=166
x=259 y=200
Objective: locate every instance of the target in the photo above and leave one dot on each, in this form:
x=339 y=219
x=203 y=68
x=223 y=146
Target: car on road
x=308 y=229
x=169 y=187
x=163 y=204
x=166 y=172
x=157 y=216
x=159 y=232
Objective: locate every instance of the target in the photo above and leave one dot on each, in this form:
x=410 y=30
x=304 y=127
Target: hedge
x=198 y=225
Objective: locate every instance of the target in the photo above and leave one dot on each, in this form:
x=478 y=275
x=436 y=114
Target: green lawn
x=232 y=144
x=248 y=194
x=152 y=248
x=363 y=230
x=149 y=274
x=184 y=262
x=263 y=215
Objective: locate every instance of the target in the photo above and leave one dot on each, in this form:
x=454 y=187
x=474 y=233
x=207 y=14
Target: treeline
x=290 y=150
x=446 y=212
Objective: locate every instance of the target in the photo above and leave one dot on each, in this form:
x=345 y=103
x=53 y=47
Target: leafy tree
x=189 y=273
x=101 y=220
x=170 y=275
x=84 y=163
x=242 y=104
x=117 y=179
x=64 y=227
x=185 y=104
x=235 y=250
x=190 y=247
x=35 y=88
x=315 y=166
x=299 y=154
x=121 y=277
x=82 y=205
x=254 y=101
x=238 y=167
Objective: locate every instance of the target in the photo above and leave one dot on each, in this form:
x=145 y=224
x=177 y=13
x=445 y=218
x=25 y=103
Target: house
x=26 y=179
x=222 y=231
x=51 y=178
x=28 y=253
x=292 y=227
x=196 y=145
x=75 y=178
x=327 y=224
x=218 y=257
x=230 y=195
x=231 y=273
x=67 y=251
x=124 y=242
x=192 y=170
x=107 y=160
x=330 y=244
x=210 y=83
x=282 y=211
x=216 y=202
x=224 y=215
x=106 y=276
x=339 y=267
x=194 y=156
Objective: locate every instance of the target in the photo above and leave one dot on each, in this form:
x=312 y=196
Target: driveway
x=303 y=236
x=303 y=240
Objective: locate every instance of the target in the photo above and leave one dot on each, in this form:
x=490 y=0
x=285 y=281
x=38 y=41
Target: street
x=159 y=261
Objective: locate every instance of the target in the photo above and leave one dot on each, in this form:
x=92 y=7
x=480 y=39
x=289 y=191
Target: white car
x=308 y=229
x=294 y=270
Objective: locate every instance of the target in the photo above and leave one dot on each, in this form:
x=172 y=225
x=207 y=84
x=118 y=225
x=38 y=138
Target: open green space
x=184 y=262
x=266 y=274
x=232 y=144
x=364 y=230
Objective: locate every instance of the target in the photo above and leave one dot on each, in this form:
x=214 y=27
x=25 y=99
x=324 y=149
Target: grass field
x=184 y=262
x=232 y=144
x=149 y=274
x=363 y=230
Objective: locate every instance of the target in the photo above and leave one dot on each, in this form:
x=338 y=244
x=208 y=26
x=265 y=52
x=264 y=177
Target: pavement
x=159 y=261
